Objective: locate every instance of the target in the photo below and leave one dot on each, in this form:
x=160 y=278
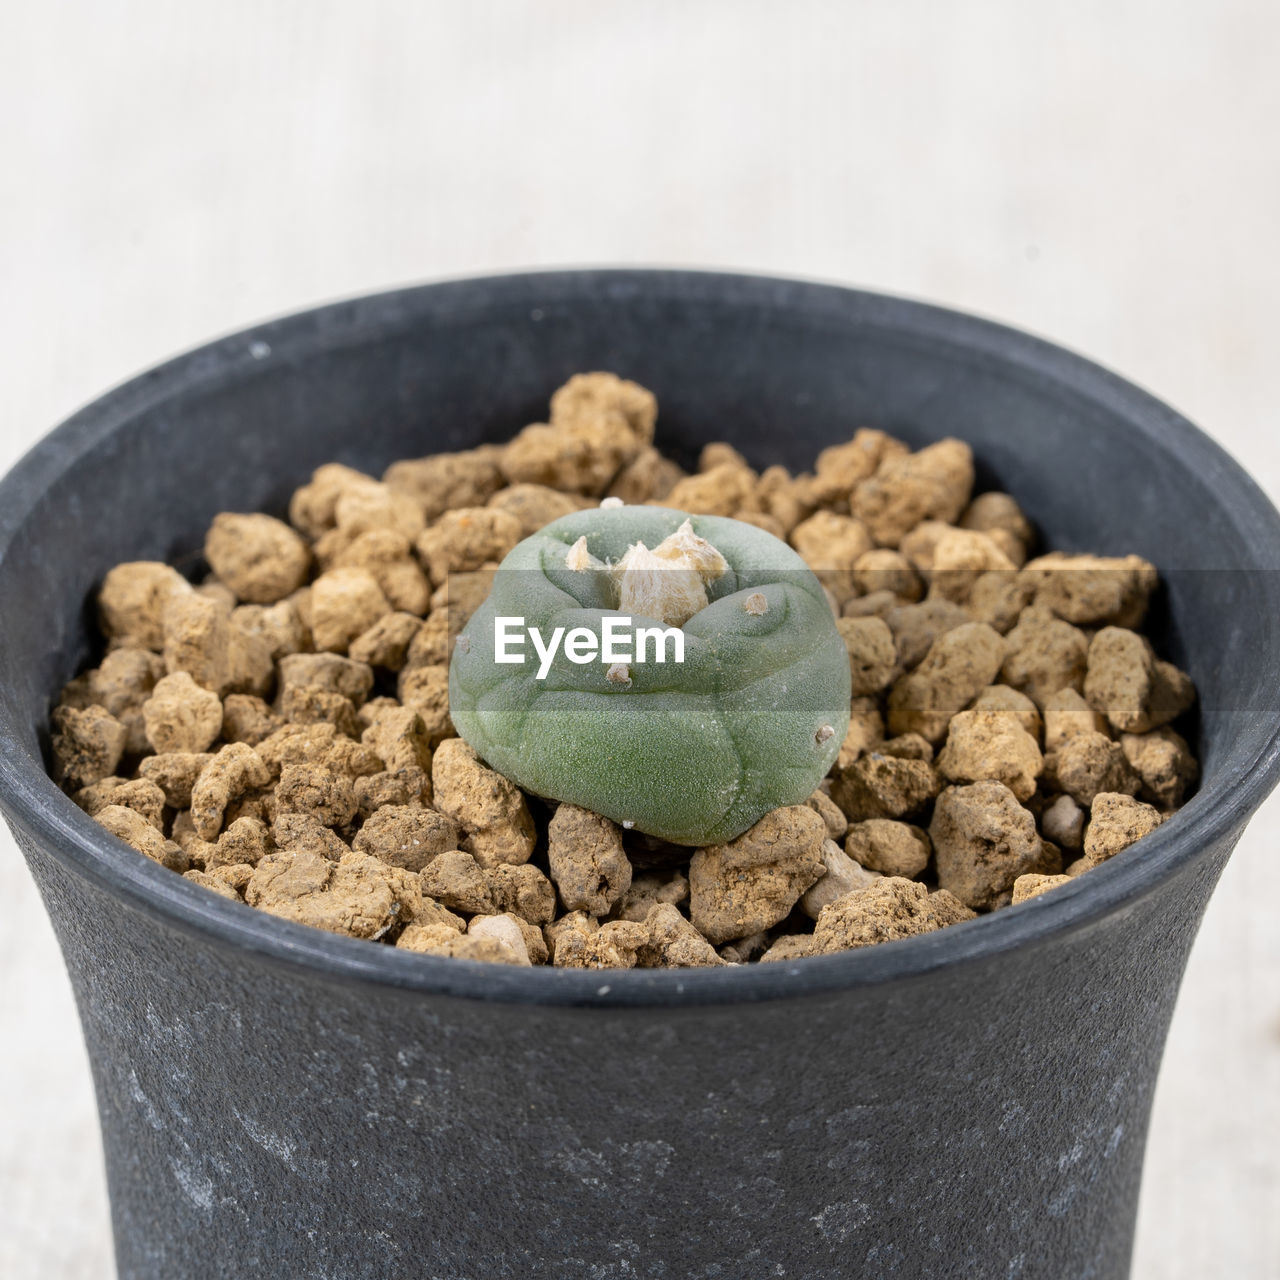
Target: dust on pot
x=816 y=1112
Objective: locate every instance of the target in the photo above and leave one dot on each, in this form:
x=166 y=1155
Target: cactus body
x=693 y=752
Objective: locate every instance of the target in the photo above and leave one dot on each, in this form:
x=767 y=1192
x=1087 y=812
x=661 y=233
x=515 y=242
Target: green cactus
x=692 y=752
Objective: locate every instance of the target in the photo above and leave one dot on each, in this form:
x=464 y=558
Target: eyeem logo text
x=616 y=642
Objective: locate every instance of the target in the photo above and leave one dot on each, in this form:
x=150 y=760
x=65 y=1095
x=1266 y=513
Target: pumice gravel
x=886 y=716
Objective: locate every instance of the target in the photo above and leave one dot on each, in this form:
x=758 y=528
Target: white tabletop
x=1103 y=173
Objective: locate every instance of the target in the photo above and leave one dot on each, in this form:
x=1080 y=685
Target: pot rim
x=35 y=805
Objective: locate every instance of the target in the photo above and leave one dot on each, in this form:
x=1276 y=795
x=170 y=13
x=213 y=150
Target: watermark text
x=617 y=641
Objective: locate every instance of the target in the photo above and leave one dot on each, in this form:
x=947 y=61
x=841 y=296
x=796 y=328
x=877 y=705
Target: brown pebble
x=347 y=676
x=132 y=601
x=1092 y=590
x=121 y=684
x=87 y=745
x=883 y=786
x=885 y=911
x=790 y=946
x=915 y=627
x=891 y=848
x=960 y=663
x=831 y=545
x=991 y=745
x=873 y=658
x=1087 y=763
x=313 y=506
x=305 y=833
x=841 y=467
x=995 y=511
x=906 y=746
x=1044 y=654
x=426 y=691
x=983 y=840
x=648 y=476
x=650 y=889
x=447 y=480
x=244 y=842
x=490 y=809
x=866 y=729
x=387 y=556
x=1032 y=886
x=456 y=879
x=260 y=558
x=465 y=539
x=1162 y=759
x=406 y=836
x=247 y=719
x=522 y=890
x=180 y=716
x=136 y=831
x=386 y=643
x=408 y=786
x=673 y=943
x=725 y=490
x=830 y=813
x=399 y=738
x=439 y=940
x=1129 y=685
x=234 y=770
x=753 y=882
x=999 y=598
x=1066 y=714
x=1000 y=697
x=358 y=896
x=279 y=626
x=324 y=793
x=140 y=795
x=960 y=558
x=213 y=883
x=1115 y=822
x=616 y=944
x=882 y=569
x=932 y=483
x=535 y=505
x=587 y=862
x=345 y=603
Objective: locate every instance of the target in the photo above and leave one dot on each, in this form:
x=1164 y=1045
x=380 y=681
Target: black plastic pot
x=279 y=1101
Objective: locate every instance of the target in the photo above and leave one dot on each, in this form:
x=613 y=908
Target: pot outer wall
x=985 y=1120
x=266 y=1115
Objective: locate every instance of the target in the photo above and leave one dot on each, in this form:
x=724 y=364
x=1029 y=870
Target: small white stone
x=501 y=929
x=843 y=875
x=607 y=504
x=1063 y=823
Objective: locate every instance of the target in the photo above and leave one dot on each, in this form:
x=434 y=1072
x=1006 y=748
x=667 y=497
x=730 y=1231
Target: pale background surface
x=1105 y=174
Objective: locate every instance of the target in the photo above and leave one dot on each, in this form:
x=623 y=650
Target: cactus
x=693 y=752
